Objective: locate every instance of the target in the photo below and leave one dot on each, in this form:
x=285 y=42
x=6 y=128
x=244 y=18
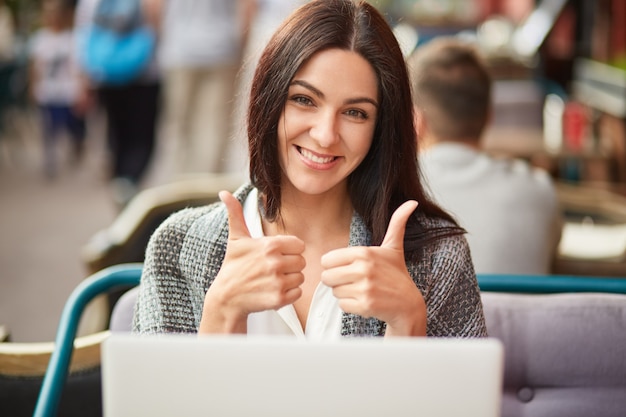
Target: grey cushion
x=565 y=354
x=123 y=310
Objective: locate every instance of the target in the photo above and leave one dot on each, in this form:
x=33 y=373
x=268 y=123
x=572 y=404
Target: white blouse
x=324 y=320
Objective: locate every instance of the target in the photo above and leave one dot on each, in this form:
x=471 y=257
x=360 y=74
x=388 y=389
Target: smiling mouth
x=316 y=158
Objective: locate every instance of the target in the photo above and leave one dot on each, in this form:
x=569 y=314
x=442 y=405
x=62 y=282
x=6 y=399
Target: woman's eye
x=360 y=114
x=305 y=101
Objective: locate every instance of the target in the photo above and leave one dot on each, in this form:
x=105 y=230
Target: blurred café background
x=560 y=103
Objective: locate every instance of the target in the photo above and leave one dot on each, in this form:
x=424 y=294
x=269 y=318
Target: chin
x=317 y=186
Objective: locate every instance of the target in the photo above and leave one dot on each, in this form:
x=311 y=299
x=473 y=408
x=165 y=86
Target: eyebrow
x=317 y=92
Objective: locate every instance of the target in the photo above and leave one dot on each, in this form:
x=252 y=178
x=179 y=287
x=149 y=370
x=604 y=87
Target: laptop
x=221 y=376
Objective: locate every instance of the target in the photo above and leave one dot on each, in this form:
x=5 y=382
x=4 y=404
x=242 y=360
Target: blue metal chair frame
x=546 y=284
x=58 y=367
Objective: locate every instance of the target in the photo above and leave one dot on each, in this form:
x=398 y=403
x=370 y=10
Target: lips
x=315 y=157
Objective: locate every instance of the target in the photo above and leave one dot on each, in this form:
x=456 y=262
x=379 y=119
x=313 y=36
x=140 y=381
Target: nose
x=325 y=129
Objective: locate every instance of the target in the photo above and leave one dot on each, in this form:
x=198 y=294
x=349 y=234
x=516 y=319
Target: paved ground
x=44 y=225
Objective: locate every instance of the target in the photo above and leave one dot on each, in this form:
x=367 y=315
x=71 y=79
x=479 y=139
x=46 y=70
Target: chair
x=124 y=275
x=123 y=311
x=555 y=366
x=564 y=340
x=23 y=367
x=546 y=284
x=565 y=345
x=126 y=238
x=114 y=257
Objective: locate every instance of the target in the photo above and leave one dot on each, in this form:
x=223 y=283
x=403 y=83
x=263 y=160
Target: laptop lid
x=176 y=375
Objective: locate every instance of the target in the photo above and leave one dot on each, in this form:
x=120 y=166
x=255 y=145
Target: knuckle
x=281 y=298
x=369 y=288
x=302 y=262
x=299 y=280
x=362 y=253
x=272 y=265
x=278 y=298
x=294 y=243
x=364 y=267
x=270 y=246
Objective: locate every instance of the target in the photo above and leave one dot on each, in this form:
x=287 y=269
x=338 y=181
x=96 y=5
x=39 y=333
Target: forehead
x=340 y=71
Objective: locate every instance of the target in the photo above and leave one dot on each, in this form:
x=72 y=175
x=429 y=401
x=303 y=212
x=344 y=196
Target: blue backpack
x=118 y=46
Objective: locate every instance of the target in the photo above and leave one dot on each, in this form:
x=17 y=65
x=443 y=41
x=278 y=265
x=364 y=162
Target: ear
x=421 y=128
x=488 y=121
x=419 y=121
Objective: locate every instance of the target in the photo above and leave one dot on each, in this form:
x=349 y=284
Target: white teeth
x=317 y=159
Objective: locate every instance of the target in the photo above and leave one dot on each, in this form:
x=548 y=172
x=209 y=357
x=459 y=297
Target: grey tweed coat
x=186 y=252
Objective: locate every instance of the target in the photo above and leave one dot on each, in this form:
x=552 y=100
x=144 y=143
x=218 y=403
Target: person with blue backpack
x=117 y=49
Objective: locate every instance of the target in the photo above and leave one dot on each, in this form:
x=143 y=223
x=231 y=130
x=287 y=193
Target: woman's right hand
x=256 y=275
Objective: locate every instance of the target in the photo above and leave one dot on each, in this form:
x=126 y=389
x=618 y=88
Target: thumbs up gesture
x=256 y=275
x=374 y=282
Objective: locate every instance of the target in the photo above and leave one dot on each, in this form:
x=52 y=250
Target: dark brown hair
x=452 y=86
x=388 y=176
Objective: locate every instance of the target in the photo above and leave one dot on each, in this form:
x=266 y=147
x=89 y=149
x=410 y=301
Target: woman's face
x=326 y=128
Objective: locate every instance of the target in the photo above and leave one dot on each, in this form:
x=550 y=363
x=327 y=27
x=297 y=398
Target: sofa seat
x=565 y=354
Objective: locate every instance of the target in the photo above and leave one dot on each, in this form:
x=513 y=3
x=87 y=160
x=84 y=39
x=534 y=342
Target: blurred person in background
x=201 y=48
x=509 y=209
x=7 y=33
x=7 y=52
x=132 y=110
x=55 y=83
x=267 y=16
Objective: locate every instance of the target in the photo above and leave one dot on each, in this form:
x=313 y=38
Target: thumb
x=394 y=238
x=236 y=224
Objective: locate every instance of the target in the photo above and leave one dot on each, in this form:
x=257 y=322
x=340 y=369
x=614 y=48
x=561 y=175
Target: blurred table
x=586 y=165
x=589 y=196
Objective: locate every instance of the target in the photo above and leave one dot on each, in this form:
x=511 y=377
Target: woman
x=328 y=239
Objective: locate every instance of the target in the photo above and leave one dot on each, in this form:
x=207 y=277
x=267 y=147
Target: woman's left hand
x=372 y=281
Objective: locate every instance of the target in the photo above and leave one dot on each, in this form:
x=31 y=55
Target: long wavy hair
x=389 y=174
